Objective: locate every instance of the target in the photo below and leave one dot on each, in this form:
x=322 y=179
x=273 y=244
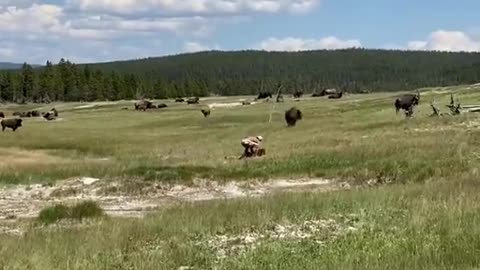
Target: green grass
x=427 y=219
x=416 y=226
x=79 y=211
x=358 y=137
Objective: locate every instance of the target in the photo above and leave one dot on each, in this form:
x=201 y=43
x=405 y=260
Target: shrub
x=80 y=211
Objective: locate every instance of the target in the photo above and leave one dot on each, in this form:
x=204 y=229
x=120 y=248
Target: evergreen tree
x=27 y=84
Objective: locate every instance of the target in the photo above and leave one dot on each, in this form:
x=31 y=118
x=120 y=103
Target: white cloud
x=197 y=47
x=6 y=52
x=442 y=40
x=15 y=3
x=299 y=44
x=191 y=7
x=36 y=18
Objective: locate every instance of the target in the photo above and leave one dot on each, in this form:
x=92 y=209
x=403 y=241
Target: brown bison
x=162 y=105
x=143 y=105
x=298 y=94
x=49 y=116
x=55 y=112
x=336 y=96
x=205 y=112
x=180 y=100
x=264 y=95
x=193 y=100
x=407 y=103
x=13 y=123
x=292 y=116
x=2 y=115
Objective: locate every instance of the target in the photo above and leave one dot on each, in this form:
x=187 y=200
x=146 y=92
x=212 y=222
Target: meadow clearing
x=419 y=211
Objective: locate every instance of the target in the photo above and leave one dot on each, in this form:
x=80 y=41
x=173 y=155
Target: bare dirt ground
x=25 y=201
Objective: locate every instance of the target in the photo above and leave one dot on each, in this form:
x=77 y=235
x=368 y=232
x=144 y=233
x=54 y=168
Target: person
x=251 y=145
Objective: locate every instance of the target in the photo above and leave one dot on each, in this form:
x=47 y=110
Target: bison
x=336 y=96
x=179 y=100
x=297 y=94
x=49 y=116
x=258 y=152
x=292 y=116
x=193 y=100
x=264 y=95
x=162 y=105
x=2 y=115
x=407 y=103
x=143 y=105
x=35 y=113
x=205 y=112
x=327 y=92
x=55 y=112
x=13 y=123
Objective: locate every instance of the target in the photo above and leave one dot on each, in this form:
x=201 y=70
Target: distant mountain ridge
x=8 y=65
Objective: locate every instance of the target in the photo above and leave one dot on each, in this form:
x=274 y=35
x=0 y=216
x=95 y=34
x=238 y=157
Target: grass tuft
x=80 y=211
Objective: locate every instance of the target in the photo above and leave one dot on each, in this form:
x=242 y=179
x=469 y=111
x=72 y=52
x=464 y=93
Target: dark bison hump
x=292 y=116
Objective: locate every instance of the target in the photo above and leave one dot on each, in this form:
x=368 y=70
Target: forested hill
x=244 y=72
x=7 y=65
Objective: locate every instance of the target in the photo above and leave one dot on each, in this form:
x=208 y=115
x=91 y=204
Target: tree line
x=240 y=73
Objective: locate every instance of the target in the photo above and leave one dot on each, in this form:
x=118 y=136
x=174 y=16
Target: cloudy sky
x=103 y=30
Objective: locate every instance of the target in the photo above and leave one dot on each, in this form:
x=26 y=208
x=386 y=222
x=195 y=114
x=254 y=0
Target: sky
x=83 y=31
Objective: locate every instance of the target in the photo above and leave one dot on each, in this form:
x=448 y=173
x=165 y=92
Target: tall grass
x=416 y=226
x=358 y=137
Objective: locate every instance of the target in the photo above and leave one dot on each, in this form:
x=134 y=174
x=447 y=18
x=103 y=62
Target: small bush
x=53 y=214
x=87 y=209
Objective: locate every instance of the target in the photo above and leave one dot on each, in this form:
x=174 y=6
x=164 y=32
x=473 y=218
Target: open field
x=358 y=137
x=426 y=218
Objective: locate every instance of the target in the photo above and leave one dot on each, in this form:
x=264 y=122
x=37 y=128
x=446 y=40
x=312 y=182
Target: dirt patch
x=321 y=231
x=96 y=104
x=134 y=199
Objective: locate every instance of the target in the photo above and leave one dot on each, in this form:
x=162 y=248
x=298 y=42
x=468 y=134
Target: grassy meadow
x=426 y=219
x=359 y=137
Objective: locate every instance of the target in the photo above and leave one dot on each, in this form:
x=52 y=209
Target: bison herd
x=405 y=102
x=15 y=123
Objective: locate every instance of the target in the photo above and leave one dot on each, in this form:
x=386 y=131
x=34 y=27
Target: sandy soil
x=25 y=201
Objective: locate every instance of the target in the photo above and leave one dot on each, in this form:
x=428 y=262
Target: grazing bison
x=297 y=94
x=162 y=105
x=292 y=116
x=327 y=92
x=143 y=105
x=264 y=95
x=336 y=96
x=205 y=112
x=246 y=103
x=35 y=113
x=2 y=115
x=180 y=100
x=49 y=116
x=193 y=100
x=55 y=112
x=407 y=103
x=12 y=123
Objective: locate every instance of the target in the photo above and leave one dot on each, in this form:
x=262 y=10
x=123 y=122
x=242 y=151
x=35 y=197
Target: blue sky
x=104 y=30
